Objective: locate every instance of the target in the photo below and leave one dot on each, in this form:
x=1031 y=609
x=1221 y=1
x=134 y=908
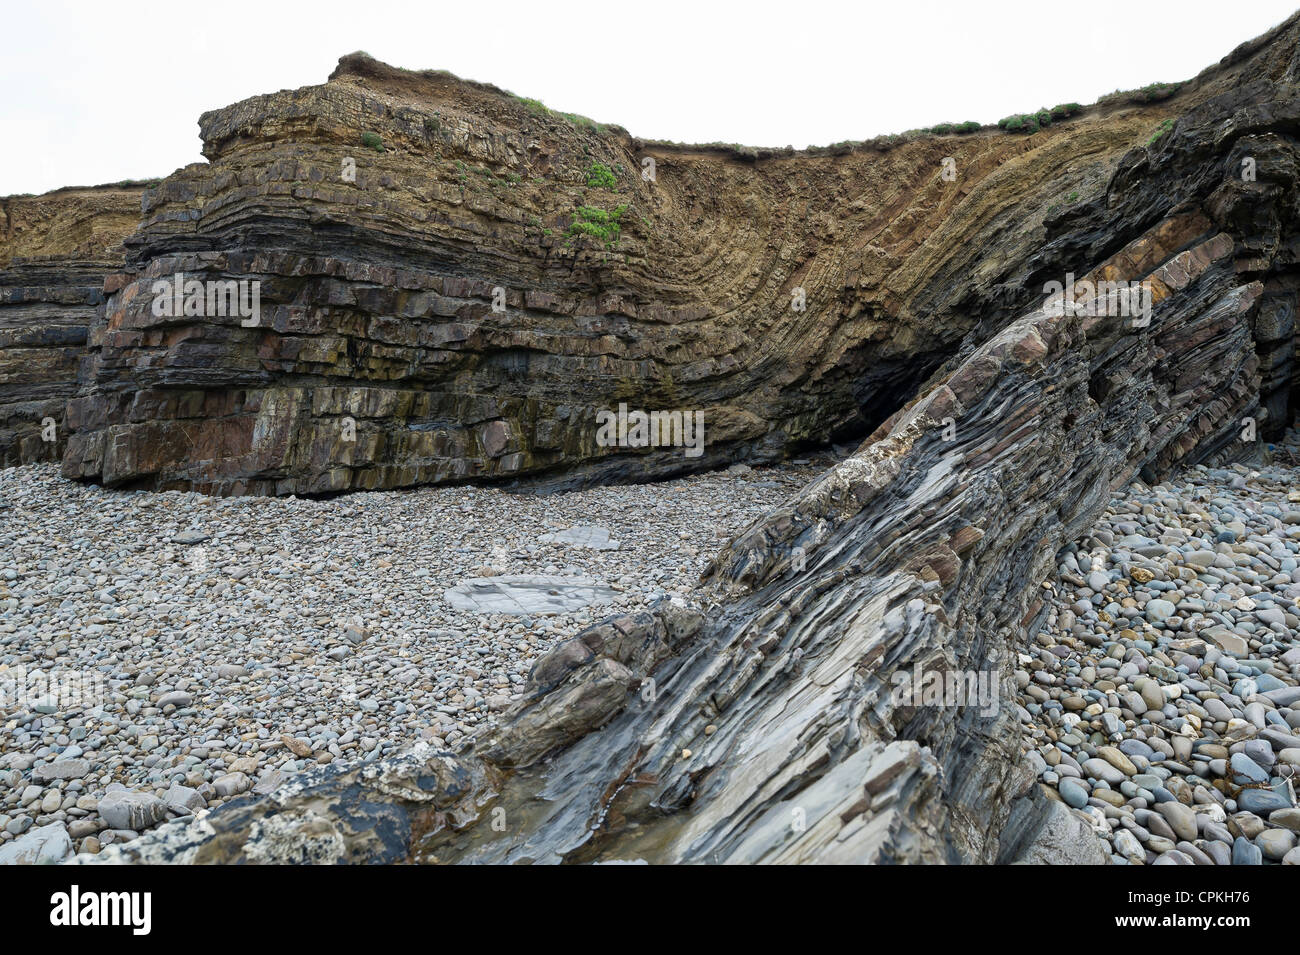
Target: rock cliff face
x=55 y=250
x=765 y=725
x=466 y=302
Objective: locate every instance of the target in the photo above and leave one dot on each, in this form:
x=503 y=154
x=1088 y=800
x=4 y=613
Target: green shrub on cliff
x=597 y=224
x=952 y=129
x=600 y=176
x=372 y=141
x=1033 y=122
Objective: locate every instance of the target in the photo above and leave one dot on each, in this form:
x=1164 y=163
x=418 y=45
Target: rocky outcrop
x=779 y=721
x=55 y=250
x=455 y=283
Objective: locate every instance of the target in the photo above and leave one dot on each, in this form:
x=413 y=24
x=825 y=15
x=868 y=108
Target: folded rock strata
x=424 y=314
x=767 y=725
x=55 y=250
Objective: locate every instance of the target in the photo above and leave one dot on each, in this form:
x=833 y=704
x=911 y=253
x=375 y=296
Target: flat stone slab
x=589 y=535
x=45 y=845
x=60 y=769
x=528 y=594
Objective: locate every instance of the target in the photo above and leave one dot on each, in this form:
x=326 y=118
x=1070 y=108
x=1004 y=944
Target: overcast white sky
x=103 y=91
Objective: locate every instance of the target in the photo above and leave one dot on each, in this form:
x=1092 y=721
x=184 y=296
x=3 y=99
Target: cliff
x=464 y=296
x=55 y=250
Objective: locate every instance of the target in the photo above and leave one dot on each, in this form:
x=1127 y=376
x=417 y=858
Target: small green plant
x=600 y=176
x=1160 y=131
x=1072 y=197
x=372 y=141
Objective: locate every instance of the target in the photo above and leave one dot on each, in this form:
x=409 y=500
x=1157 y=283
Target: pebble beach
x=209 y=647
x=1163 y=698
x=227 y=643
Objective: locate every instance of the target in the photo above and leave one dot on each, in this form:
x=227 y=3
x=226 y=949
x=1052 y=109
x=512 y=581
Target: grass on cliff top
x=953 y=129
x=1015 y=123
x=120 y=184
x=1151 y=93
x=1033 y=122
x=538 y=108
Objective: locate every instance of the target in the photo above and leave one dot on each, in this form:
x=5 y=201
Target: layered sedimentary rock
x=466 y=302
x=55 y=250
x=766 y=724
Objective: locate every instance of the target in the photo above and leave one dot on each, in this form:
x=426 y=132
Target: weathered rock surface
x=335 y=814
x=766 y=724
x=1063 y=838
x=55 y=250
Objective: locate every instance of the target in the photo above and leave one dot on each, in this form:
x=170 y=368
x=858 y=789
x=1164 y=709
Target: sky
x=100 y=92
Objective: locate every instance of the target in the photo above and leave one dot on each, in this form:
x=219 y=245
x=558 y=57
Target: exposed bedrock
x=765 y=725
x=426 y=316
x=55 y=250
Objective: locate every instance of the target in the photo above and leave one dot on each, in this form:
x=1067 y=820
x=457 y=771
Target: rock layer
x=55 y=250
